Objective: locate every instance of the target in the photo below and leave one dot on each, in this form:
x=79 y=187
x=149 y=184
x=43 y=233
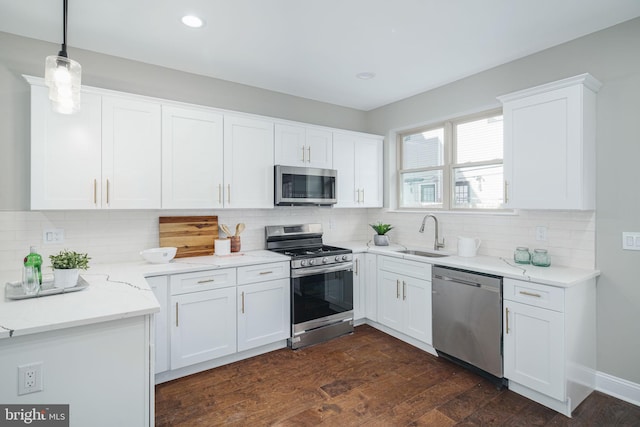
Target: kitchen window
x=453 y=165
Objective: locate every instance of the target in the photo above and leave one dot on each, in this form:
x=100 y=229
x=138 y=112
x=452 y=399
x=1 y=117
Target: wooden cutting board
x=192 y=235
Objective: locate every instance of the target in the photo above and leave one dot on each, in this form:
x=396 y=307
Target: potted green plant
x=66 y=267
x=380 y=238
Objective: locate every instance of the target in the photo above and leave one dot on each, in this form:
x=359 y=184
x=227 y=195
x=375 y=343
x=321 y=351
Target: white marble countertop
x=559 y=276
x=115 y=291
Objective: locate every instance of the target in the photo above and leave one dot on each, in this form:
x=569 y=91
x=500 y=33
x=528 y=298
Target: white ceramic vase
x=381 y=240
x=65 y=278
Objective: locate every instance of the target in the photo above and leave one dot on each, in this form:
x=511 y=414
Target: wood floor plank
x=364 y=379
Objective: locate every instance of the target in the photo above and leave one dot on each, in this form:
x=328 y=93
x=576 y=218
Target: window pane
x=423 y=149
x=479 y=140
x=478 y=187
x=422 y=189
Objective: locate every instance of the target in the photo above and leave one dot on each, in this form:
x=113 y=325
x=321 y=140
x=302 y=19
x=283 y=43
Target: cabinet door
x=159 y=286
x=248 y=163
x=554 y=128
x=290 y=145
x=359 y=298
x=192 y=162
x=263 y=313
x=203 y=326
x=319 y=147
x=131 y=153
x=417 y=308
x=368 y=172
x=371 y=286
x=65 y=154
x=344 y=163
x=390 y=306
x=534 y=348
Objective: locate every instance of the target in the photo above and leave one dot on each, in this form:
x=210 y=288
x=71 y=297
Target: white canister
x=222 y=247
x=468 y=246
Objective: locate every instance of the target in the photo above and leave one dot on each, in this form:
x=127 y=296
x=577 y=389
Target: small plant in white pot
x=66 y=267
x=380 y=238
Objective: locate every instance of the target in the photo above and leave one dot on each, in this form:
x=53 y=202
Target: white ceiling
x=314 y=48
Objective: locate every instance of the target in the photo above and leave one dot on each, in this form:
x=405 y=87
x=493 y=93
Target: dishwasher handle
x=461 y=281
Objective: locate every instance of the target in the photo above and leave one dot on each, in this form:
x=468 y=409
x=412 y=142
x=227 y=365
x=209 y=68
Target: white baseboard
x=618 y=388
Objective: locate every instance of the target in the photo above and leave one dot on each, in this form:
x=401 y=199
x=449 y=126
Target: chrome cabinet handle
x=242 y=302
x=107 y=191
x=220 y=193
x=177 y=324
x=363 y=195
x=309 y=154
x=229 y=193
x=200 y=282
x=530 y=294
x=397 y=289
x=95 y=191
x=404 y=291
x=265 y=272
x=506 y=192
x=357 y=266
x=303 y=159
x=507 y=319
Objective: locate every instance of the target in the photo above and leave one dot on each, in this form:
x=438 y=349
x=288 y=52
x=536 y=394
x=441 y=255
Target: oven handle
x=321 y=269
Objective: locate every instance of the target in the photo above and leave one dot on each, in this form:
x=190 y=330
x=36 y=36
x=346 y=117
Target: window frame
x=449 y=163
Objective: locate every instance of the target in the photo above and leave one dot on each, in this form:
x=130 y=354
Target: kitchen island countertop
x=115 y=291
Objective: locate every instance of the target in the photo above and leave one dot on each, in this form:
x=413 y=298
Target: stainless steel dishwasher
x=467 y=319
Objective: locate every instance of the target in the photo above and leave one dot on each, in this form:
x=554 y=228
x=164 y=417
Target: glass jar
x=540 y=258
x=522 y=255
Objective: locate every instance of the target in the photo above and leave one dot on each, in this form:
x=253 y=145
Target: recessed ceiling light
x=192 y=21
x=367 y=75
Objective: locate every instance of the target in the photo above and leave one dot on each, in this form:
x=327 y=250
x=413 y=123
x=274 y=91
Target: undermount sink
x=423 y=253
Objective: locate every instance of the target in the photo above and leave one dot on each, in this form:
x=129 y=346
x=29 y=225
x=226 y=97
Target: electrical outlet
x=53 y=236
x=541 y=233
x=29 y=378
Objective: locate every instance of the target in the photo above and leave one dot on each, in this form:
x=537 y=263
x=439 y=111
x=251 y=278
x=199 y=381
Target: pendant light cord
x=63 y=52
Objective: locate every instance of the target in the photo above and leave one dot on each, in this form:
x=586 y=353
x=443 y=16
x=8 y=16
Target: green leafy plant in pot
x=66 y=267
x=380 y=238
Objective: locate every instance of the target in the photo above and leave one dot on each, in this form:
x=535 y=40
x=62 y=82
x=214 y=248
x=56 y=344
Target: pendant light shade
x=63 y=77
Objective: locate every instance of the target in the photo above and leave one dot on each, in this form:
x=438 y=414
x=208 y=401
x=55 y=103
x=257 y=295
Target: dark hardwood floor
x=364 y=379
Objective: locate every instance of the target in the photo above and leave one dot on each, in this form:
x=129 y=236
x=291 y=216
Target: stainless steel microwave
x=299 y=186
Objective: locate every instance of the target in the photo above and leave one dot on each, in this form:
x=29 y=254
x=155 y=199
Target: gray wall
x=19 y=55
x=612 y=56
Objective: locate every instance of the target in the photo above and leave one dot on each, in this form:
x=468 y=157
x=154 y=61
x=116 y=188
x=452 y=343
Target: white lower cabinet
x=404 y=301
x=263 y=313
x=203 y=326
x=160 y=288
x=549 y=342
x=370 y=287
x=359 y=284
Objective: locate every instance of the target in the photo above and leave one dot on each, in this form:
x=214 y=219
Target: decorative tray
x=13 y=290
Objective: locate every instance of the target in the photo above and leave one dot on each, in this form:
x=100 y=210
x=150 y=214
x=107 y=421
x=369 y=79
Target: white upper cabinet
x=248 y=162
x=131 y=159
x=66 y=158
x=358 y=160
x=549 y=145
x=303 y=146
x=192 y=158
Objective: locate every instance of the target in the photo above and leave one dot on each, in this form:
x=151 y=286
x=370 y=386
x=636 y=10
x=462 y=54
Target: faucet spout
x=436 y=244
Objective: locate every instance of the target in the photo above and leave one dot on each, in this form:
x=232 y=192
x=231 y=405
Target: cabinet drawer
x=262 y=272
x=202 y=280
x=535 y=294
x=417 y=269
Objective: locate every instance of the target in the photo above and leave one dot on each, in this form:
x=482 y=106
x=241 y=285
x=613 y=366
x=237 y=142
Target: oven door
x=321 y=295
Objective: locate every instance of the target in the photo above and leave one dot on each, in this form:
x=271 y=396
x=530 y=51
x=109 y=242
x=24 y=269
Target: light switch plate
x=631 y=240
x=53 y=236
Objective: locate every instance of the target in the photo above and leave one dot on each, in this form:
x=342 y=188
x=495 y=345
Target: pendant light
x=62 y=76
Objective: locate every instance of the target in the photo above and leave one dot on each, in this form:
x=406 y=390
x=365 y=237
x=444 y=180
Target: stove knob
x=344 y=257
x=338 y=258
x=325 y=260
x=312 y=261
x=303 y=262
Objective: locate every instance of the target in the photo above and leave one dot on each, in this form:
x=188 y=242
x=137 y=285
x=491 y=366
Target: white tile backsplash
x=118 y=236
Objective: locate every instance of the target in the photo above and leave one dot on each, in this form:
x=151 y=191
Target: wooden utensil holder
x=235 y=243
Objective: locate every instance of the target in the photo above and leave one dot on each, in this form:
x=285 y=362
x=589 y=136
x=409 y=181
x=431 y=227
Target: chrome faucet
x=436 y=245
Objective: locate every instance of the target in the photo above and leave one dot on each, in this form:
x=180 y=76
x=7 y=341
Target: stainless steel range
x=321 y=283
